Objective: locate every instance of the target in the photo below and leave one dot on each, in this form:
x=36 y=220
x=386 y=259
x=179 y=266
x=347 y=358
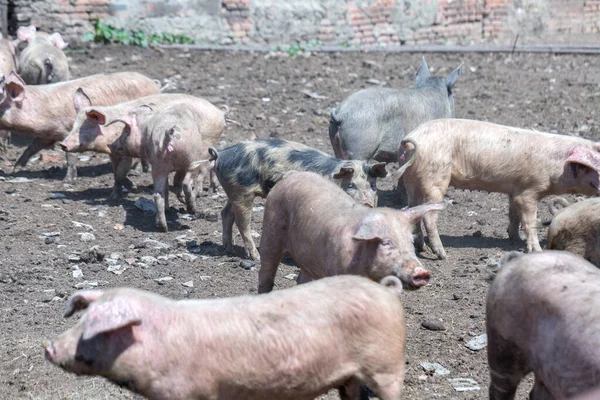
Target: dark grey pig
x=371 y=123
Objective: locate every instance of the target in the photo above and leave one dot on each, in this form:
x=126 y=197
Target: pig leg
x=302 y=278
x=430 y=222
x=188 y=190
x=4 y=141
x=228 y=217
x=508 y=365
x=178 y=186
x=514 y=219
x=242 y=209
x=145 y=165
x=71 y=167
x=414 y=199
x=161 y=185
x=527 y=206
x=214 y=183
x=540 y=391
x=272 y=247
x=353 y=390
x=120 y=166
x=391 y=389
x=34 y=147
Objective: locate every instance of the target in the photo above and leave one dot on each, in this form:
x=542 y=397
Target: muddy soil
x=267 y=96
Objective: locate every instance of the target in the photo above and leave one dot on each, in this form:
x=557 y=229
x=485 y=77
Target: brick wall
x=352 y=22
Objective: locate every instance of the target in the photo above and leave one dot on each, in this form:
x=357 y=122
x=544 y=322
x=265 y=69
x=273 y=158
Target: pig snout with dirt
x=543 y=316
x=576 y=229
x=327 y=233
x=527 y=165
x=252 y=168
x=43 y=60
x=90 y=133
x=174 y=138
x=48 y=112
x=341 y=332
x=371 y=123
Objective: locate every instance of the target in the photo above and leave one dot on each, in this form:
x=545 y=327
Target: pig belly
x=489 y=184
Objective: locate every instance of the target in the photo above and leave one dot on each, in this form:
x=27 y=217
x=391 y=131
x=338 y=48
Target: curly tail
x=557 y=201
x=400 y=171
x=213 y=152
x=393 y=283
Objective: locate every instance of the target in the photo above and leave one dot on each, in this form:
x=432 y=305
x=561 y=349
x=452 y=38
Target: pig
x=48 y=112
x=89 y=132
x=328 y=233
x=527 y=165
x=542 y=316
x=371 y=123
x=249 y=169
x=173 y=138
x=8 y=64
x=43 y=60
x=576 y=229
x=297 y=343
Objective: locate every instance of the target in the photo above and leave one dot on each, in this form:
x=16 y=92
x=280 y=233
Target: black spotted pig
x=297 y=343
x=172 y=138
x=249 y=169
x=328 y=233
x=576 y=229
x=371 y=123
x=43 y=60
x=527 y=165
x=543 y=317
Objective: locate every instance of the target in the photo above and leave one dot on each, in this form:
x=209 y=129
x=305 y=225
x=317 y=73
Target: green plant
x=106 y=33
x=297 y=48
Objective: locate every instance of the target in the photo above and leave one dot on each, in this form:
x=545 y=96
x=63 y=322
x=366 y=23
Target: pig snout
x=65 y=146
x=48 y=350
x=413 y=274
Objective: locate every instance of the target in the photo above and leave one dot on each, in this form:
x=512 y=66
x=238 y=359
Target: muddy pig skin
x=174 y=138
x=543 y=317
x=90 y=132
x=296 y=343
x=371 y=123
x=527 y=165
x=252 y=168
x=43 y=60
x=328 y=233
x=47 y=112
x=576 y=229
x=8 y=64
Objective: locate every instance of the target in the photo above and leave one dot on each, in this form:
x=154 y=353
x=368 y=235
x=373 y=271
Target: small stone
x=57 y=196
x=148 y=260
x=20 y=179
x=188 y=257
x=86 y=236
x=477 y=234
x=74 y=258
x=477 y=343
x=51 y=239
x=119 y=227
x=188 y=217
x=48 y=295
x=247 y=264
x=86 y=285
x=258 y=208
x=456 y=296
x=433 y=325
x=84 y=158
x=116 y=269
x=434 y=369
x=204 y=278
x=155 y=244
x=464 y=384
x=49 y=234
x=145 y=205
x=373 y=81
x=291 y=277
x=163 y=280
x=266 y=99
x=189 y=284
x=77 y=273
x=82 y=225
x=91 y=255
x=211 y=217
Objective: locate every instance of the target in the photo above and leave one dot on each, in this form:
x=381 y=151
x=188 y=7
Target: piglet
x=328 y=233
x=174 y=138
x=527 y=165
x=43 y=60
x=340 y=332
x=543 y=316
x=576 y=229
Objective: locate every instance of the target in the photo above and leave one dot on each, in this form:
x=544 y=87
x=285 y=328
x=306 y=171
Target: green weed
x=106 y=33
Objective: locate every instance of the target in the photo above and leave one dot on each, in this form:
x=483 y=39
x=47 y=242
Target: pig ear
x=378 y=170
x=585 y=157
x=423 y=73
x=96 y=115
x=80 y=301
x=26 y=33
x=372 y=228
x=415 y=214
x=15 y=87
x=453 y=77
x=57 y=41
x=81 y=100
x=109 y=316
x=343 y=172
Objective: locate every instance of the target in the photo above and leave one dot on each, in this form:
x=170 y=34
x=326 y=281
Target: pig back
x=8 y=62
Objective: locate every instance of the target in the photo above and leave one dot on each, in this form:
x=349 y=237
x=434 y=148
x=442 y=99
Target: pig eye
x=351 y=186
x=386 y=242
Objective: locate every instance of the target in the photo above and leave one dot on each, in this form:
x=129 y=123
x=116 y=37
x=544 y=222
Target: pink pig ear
x=585 y=156
x=109 y=316
x=80 y=301
x=415 y=214
x=96 y=115
x=15 y=87
x=81 y=100
x=371 y=228
x=26 y=33
x=57 y=41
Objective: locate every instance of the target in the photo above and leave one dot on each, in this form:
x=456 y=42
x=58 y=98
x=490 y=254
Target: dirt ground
x=266 y=95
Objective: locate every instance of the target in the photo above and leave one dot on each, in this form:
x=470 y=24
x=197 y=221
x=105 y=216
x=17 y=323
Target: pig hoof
x=163 y=228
